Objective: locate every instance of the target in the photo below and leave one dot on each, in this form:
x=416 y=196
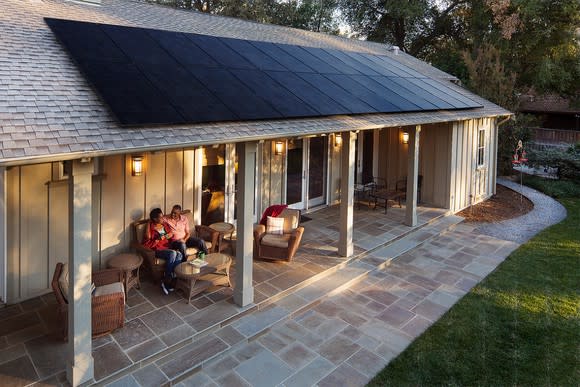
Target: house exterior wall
x=334 y=171
x=272 y=179
x=434 y=161
x=470 y=183
x=37 y=233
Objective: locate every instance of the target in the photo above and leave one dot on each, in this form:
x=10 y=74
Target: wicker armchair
x=108 y=310
x=156 y=266
x=279 y=247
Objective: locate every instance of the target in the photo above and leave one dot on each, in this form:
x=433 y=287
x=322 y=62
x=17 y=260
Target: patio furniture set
x=374 y=191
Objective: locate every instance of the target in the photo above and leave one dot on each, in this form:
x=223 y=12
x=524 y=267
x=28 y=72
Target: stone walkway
x=546 y=212
x=348 y=337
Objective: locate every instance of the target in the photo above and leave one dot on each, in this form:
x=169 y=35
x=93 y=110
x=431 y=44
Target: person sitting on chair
x=182 y=239
x=157 y=238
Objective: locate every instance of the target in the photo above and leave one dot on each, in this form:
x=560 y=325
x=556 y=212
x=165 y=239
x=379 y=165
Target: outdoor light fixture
x=337 y=140
x=405 y=137
x=136 y=165
x=278 y=148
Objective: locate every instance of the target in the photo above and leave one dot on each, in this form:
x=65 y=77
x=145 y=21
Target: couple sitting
x=169 y=236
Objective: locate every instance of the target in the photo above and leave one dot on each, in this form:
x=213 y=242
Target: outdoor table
x=386 y=195
x=222 y=228
x=129 y=264
x=193 y=280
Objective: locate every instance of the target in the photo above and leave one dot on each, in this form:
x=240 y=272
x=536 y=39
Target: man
x=179 y=227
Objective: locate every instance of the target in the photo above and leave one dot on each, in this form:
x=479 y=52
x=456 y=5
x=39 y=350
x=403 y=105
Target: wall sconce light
x=278 y=148
x=405 y=137
x=337 y=140
x=136 y=165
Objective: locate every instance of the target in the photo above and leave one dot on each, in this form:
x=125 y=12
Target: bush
x=566 y=162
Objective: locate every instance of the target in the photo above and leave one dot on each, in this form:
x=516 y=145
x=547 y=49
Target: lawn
x=520 y=326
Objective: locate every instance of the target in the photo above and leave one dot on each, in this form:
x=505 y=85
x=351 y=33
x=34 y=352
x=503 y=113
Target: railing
x=555 y=136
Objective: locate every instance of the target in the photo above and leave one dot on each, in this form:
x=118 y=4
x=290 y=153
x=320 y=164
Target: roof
x=48 y=111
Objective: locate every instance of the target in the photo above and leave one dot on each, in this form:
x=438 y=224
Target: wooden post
x=345 y=245
x=412 y=177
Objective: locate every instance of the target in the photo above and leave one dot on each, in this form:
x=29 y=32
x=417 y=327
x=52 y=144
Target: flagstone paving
x=348 y=337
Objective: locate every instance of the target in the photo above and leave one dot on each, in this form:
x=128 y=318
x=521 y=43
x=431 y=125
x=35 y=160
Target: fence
x=555 y=136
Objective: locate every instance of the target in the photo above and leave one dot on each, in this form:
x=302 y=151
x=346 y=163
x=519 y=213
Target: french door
x=306 y=172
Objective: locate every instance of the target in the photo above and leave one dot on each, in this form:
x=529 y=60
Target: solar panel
x=151 y=76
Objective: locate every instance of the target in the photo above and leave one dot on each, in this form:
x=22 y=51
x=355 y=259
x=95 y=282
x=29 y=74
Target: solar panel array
x=160 y=77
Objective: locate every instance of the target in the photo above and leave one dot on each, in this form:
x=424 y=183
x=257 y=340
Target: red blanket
x=274 y=210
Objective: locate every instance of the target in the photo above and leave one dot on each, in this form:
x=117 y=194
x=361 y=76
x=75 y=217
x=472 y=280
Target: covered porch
x=158 y=325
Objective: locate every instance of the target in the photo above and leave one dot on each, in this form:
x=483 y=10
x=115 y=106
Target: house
x=88 y=146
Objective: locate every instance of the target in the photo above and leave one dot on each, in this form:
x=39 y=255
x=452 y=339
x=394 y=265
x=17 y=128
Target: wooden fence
x=555 y=136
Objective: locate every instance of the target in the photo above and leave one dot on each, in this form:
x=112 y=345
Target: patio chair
x=401 y=186
x=156 y=266
x=107 y=301
x=275 y=247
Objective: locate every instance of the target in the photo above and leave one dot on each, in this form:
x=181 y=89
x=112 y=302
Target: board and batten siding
x=470 y=183
x=37 y=213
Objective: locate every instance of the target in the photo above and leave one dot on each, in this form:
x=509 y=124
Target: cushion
x=190 y=251
x=273 y=240
x=63 y=281
x=275 y=226
x=115 y=287
x=291 y=219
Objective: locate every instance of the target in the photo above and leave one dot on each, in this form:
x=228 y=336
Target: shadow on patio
x=157 y=324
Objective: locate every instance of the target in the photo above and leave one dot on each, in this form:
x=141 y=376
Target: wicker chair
x=279 y=247
x=108 y=310
x=156 y=266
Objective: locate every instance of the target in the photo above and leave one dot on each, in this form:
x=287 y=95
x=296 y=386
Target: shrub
x=566 y=162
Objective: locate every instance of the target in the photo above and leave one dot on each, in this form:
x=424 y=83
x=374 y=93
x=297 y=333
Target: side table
x=223 y=228
x=193 y=280
x=129 y=264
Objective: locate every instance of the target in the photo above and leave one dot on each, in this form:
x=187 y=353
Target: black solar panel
x=160 y=77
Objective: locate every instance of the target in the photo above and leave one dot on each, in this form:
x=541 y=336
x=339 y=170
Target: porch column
x=3 y=242
x=80 y=359
x=412 y=177
x=244 y=290
x=345 y=246
x=197 y=181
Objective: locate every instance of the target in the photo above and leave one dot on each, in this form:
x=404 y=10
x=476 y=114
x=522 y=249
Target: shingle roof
x=49 y=111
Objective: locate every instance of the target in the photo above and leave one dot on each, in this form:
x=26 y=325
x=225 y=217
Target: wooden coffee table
x=193 y=280
x=129 y=264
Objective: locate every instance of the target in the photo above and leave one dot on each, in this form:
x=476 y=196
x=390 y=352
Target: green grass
x=520 y=326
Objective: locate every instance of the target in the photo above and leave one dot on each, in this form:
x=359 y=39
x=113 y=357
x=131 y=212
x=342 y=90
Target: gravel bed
x=546 y=212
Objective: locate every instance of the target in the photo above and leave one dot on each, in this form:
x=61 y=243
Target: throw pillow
x=275 y=225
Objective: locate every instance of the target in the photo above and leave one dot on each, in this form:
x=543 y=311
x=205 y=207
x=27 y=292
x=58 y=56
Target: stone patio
x=166 y=327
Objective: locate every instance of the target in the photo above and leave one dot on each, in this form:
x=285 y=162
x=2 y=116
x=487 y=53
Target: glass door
x=213 y=184
x=295 y=173
x=317 y=160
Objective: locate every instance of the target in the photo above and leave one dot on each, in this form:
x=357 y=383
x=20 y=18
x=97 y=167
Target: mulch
x=505 y=204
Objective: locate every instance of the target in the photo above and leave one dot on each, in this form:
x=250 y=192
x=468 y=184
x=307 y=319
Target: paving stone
x=330 y=328
x=138 y=311
x=177 y=335
x=146 y=349
x=366 y=362
x=162 y=319
x=201 y=379
x=264 y=370
x=416 y=326
x=395 y=316
x=296 y=355
x=134 y=333
x=150 y=376
x=382 y=332
x=18 y=322
x=48 y=354
x=11 y=353
x=109 y=359
x=221 y=367
x=345 y=376
x=273 y=342
x=211 y=316
x=191 y=356
x=260 y=320
x=310 y=374
x=26 y=334
x=17 y=372
x=230 y=335
x=248 y=351
x=430 y=310
x=338 y=349
x=442 y=298
x=100 y=341
x=125 y=381
x=231 y=379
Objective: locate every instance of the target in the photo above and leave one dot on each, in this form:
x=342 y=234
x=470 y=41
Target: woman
x=158 y=238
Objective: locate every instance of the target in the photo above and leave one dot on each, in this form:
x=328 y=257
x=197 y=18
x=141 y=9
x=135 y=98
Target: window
x=481 y=148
